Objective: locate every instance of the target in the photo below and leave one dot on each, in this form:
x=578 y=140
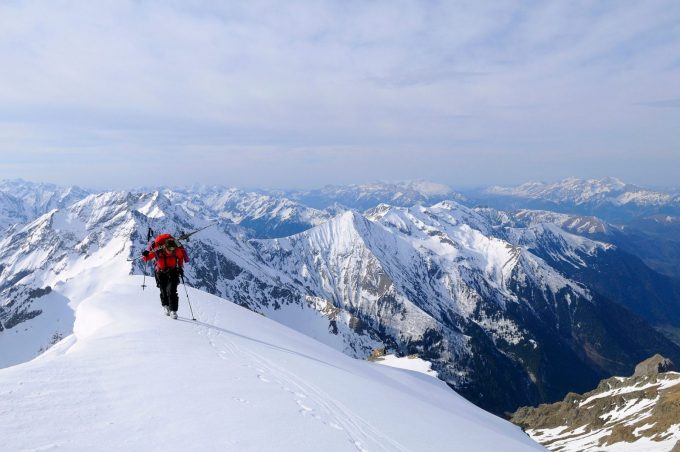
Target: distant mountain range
x=511 y=308
x=267 y=216
x=608 y=198
x=366 y=196
x=22 y=201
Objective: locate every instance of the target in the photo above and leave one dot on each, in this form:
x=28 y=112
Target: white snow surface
x=409 y=363
x=129 y=378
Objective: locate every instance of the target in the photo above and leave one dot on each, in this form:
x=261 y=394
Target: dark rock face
x=654 y=365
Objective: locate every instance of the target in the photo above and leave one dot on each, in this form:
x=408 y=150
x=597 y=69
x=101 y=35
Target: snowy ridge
x=462 y=241
x=557 y=243
x=551 y=235
x=268 y=216
x=218 y=383
x=577 y=224
x=89 y=236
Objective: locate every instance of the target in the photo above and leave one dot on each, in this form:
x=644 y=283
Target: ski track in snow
x=312 y=400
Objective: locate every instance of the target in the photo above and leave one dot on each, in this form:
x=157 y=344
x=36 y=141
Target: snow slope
x=130 y=378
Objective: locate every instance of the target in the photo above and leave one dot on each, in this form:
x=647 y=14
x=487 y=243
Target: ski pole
x=187 y=292
x=144 y=280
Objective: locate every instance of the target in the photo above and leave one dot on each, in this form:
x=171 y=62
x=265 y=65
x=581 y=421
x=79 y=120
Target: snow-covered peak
x=458 y=237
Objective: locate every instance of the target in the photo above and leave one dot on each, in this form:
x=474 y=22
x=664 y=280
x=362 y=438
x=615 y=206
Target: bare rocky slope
x=640 y=412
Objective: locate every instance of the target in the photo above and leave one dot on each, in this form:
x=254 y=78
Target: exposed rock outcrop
x=654 y=365
x=634 y=410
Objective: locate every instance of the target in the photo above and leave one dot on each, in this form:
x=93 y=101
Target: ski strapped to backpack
x=182 y=236
x=185 y=236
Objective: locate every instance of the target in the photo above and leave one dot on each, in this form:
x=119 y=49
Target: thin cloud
x=458 y=77
x=667 y=103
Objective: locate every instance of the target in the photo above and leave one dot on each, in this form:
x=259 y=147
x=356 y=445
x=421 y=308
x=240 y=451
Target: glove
x=145 y=253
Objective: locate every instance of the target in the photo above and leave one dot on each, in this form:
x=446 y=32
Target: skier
x=170 y=258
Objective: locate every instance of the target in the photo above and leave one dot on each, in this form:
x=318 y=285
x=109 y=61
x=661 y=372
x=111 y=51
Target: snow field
x=130 y=378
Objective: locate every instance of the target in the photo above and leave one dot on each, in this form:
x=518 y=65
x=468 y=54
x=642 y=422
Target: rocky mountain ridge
x=640 y=412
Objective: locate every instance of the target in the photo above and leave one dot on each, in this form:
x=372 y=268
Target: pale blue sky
x=299 y=94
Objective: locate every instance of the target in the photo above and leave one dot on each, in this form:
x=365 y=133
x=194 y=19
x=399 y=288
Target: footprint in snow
x=305 y=409
x=296 y=394
x=335 y=426
x=263 y=379
x=359 y=447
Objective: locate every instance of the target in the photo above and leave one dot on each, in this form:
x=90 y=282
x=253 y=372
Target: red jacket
x=166 y=259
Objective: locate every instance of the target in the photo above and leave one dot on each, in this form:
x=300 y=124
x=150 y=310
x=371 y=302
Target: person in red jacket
x=170 y=257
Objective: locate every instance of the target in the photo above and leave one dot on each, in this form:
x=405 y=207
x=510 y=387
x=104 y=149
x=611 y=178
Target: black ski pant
x=167 y=282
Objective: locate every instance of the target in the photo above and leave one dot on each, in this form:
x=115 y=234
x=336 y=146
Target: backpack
x=159 y=241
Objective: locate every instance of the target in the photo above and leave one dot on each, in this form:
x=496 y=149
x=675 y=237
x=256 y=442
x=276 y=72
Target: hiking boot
x=166 y=310
x=173 y=314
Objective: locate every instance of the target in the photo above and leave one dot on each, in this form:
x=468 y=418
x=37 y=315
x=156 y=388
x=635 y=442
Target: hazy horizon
x=455 y=188
x=303 y=94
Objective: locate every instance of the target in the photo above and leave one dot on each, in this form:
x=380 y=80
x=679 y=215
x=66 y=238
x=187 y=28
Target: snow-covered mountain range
x=483 y=300
x=267 y=216
x=366 y=196
x=608 y=198
x=591 y=191
x=21 y=201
